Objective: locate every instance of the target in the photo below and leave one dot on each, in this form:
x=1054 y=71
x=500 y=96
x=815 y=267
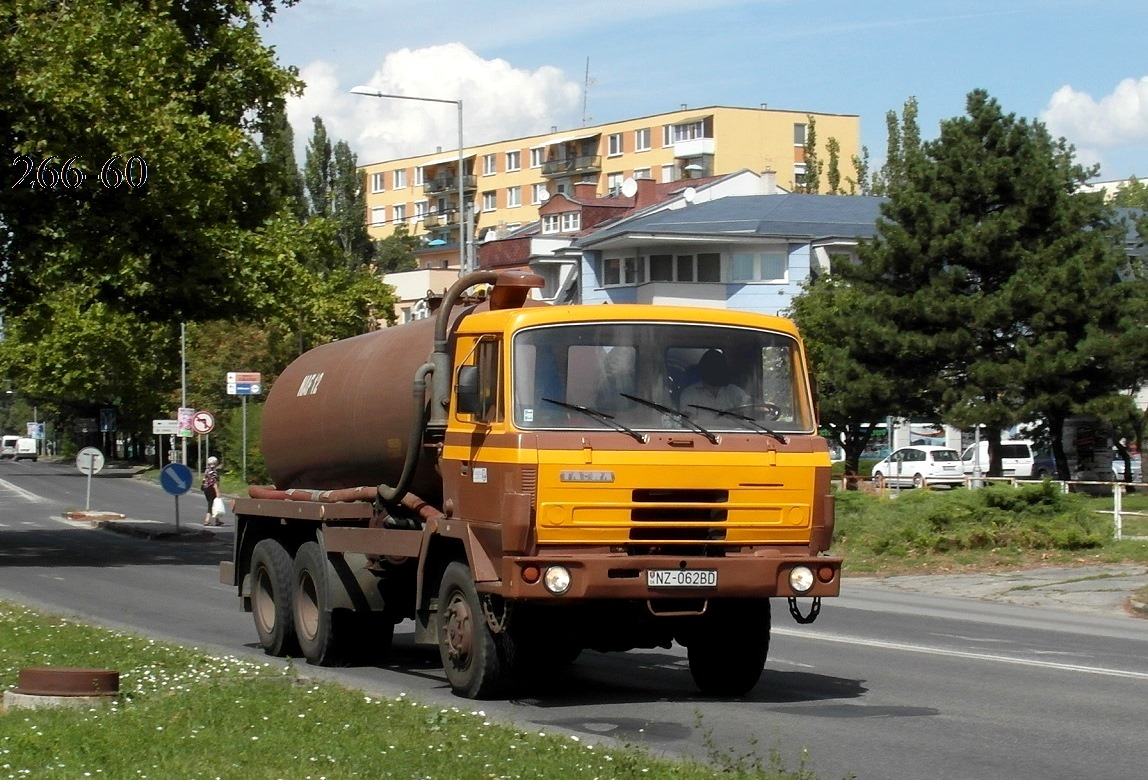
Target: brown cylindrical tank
x=340 y=415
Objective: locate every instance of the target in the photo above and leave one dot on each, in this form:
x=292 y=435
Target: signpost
x=202 y=423
x=89 y=461
x=244 y=384
x=176 y=479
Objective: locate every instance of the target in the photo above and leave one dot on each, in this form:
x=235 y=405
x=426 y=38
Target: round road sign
x=176 y=479
x=203 y=422
x=90 y=460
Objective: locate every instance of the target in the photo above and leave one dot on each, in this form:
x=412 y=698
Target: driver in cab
x=714 y=390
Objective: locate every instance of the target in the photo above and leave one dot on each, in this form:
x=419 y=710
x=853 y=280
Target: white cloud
x=1115 y=120
x=499 y=101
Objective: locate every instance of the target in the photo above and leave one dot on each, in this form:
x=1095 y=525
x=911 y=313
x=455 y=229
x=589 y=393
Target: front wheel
x=728 y=655
x=919 y=481
x=271 y=598
x=879 y=481
x=475 y=660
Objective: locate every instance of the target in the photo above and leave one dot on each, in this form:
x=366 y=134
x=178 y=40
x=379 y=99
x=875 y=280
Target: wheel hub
x=458 y=628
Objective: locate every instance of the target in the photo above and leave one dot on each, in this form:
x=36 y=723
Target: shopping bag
x=217 y=507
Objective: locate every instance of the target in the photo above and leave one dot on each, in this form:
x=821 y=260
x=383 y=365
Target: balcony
x=565 y=166
x=449 y=184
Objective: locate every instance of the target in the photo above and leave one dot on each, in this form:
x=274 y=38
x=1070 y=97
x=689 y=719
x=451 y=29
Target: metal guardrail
x=1118 y=490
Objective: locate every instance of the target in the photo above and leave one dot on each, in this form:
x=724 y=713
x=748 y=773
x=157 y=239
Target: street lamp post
x=371 y=92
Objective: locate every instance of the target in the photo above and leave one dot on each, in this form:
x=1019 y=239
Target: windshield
x=649 y=376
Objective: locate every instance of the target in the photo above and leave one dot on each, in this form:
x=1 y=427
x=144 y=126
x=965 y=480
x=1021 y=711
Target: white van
x=8 y=446
x=26 y=449
x=1016 y=458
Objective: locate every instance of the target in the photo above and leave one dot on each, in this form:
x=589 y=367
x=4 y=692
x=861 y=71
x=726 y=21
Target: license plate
x=681 y=578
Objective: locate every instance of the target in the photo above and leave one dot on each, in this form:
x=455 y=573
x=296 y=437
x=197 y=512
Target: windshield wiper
x=674 y=413
x=760 y=428
x=601 y=417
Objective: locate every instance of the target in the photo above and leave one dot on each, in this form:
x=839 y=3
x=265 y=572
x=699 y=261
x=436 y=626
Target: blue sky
x=520 y=66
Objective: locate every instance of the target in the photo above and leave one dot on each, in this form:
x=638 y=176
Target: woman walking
x=211 y=491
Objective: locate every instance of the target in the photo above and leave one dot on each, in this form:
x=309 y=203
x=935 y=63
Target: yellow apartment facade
x=505 y=182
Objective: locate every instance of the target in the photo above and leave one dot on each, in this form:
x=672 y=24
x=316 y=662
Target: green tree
x=107 y=89
x=861 y=183
x=1132 y=194
x=833 y=169
x=854 y=395
x=350 y=208
x=903 y=147
x=396 y=252
x=992 y=280
x=319 y=170
x=281 y=171
x=812 y=183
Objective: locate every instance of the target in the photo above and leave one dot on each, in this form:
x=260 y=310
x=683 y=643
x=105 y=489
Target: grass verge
x=995 y=526
x=185 y=714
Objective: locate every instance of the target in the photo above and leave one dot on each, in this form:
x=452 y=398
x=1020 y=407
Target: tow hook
x=814 y=610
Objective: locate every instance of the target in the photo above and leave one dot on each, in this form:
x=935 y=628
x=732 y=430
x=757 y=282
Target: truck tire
x=314 y=620
x=475 y=660
x=271 y=598
x=728 y=655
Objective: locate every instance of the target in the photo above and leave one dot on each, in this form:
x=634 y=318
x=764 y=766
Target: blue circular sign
x=176 y=478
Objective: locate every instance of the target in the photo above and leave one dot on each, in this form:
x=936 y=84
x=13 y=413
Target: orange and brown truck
x=523 y=482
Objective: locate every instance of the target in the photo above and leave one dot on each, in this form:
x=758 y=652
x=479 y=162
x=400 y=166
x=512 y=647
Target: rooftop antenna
x=586 y=91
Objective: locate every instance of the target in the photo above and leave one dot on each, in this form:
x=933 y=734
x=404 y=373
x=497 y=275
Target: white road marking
x=31 y=498
x=848 y=640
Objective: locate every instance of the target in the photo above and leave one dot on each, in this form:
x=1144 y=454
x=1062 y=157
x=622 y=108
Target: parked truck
x=542 y=491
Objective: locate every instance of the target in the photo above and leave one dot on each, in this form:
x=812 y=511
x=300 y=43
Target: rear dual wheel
x=271 y=598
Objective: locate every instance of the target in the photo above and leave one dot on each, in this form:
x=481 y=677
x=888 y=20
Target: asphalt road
x=900 y=679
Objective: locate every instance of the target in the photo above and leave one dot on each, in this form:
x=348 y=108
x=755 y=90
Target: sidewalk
x=1101 y=589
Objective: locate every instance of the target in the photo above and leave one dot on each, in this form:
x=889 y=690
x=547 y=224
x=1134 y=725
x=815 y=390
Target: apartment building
x=504 y=183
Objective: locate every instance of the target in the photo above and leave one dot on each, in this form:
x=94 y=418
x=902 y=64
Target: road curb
x=1137 y=607
x=168 y=534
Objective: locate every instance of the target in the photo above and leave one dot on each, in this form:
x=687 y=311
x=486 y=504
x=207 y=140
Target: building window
x=643 y=173
x=513 y=197
x=514 y=161
x=758 y=267
x=378 y=181
x=420 y=210
x=569 y=222
x=799 y=174
x=488 y=165
x=537 y=156
x=669 y=173
x=614 y=183
x=642 y=140
x=537 y=194
x=400 y=213
x=379 y=215
x=400 y=178
x=624 y=271
x=709 y=267
x=661 y=268
x=489 y=200
x=614 y=144
x=799 y=135
x=690 y=131
x=419 y=176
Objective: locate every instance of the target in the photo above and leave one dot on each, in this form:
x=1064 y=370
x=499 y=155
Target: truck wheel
x=475 y=660
x=314 y=624
x=728 y=655
x=271 y=598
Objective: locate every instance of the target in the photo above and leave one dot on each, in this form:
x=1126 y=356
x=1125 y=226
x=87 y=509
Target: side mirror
x=467 y=390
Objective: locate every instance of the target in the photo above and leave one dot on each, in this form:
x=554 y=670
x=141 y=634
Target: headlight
x=801 y=578
x=557 y=580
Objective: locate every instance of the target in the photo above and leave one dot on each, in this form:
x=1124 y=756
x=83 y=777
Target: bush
x=1037 y=516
